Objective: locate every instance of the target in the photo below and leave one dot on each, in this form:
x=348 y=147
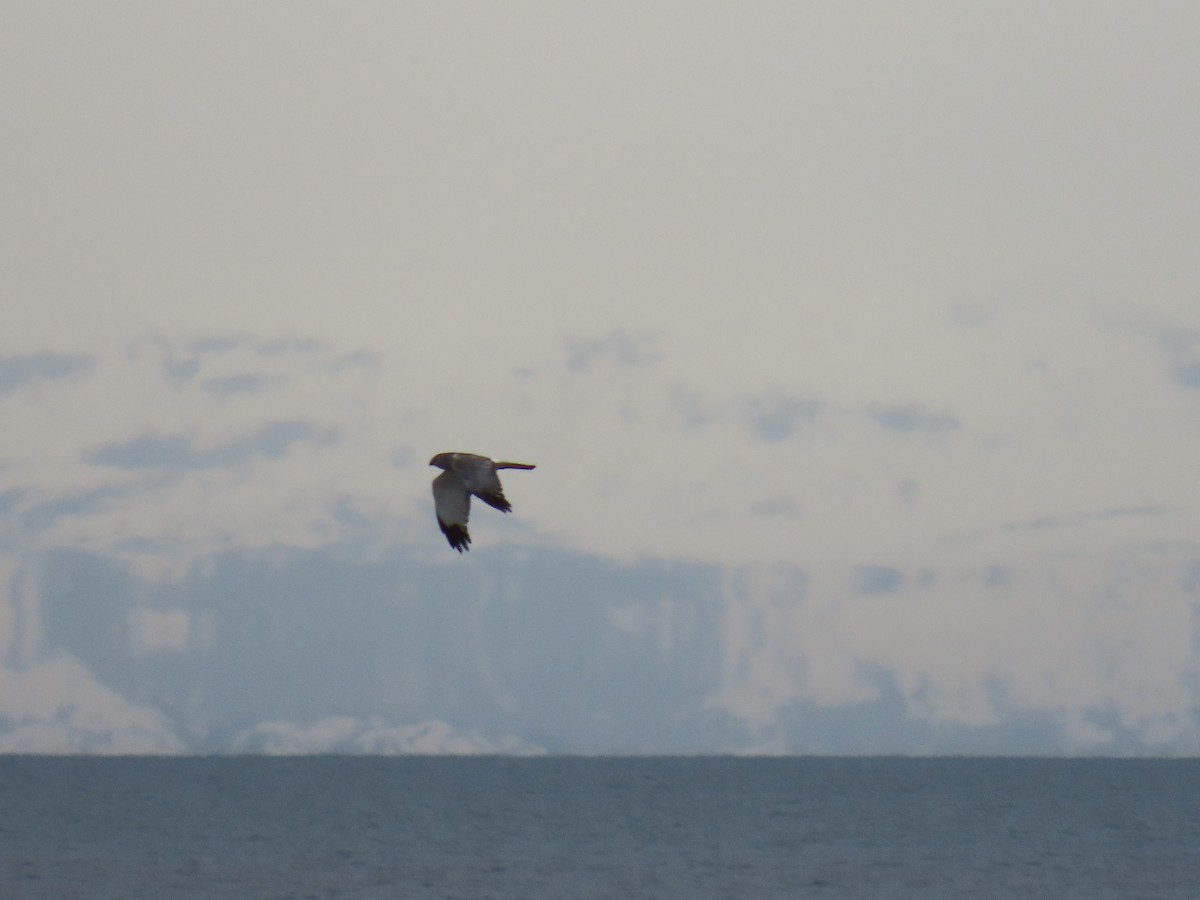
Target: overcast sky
x=857 y=346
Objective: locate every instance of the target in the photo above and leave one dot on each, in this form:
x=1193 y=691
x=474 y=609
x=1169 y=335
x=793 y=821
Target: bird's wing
x=478 y=474
x=452 y=503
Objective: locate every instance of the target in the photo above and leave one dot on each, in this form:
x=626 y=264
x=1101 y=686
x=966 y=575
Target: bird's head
x=442 y=460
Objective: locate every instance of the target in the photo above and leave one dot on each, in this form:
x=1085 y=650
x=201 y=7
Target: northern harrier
x=466 y=474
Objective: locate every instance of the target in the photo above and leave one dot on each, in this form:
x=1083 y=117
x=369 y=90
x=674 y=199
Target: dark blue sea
x=573 y=827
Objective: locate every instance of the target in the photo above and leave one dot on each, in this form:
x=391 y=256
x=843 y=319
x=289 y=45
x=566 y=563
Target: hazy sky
x=857 y=344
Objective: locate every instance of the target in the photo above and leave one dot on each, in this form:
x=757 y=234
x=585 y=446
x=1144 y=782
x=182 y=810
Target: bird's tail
x=513 y=465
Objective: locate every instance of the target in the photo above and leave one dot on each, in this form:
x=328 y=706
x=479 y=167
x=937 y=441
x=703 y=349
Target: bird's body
x=465 y=474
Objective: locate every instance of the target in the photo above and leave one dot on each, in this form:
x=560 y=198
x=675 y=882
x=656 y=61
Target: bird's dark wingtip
x=495 y=500
x=457 y=536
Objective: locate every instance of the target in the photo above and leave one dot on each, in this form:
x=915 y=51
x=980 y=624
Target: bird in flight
x=465 y=474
